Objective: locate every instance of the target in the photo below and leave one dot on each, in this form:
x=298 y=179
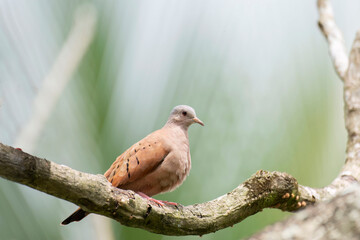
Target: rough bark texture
x=337 y=218
x=95 y=194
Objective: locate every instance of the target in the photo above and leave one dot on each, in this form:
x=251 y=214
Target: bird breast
x=171 y=172
x=175 y=167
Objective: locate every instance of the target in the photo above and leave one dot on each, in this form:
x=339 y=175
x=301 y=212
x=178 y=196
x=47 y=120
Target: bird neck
x=175 y=125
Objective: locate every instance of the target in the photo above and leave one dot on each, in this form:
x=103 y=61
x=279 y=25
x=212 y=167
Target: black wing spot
x=137 y=161
x=127 y=160
x=127 y=167
x=143 y=147
x=118 y=166
x=128 y=175
x=134 y=150
x=111 y=180
x=149 y=145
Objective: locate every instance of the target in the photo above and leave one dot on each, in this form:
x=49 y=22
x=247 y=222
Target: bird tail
x=75 y=217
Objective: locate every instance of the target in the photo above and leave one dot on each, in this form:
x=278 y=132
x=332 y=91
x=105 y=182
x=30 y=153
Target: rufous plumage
x=158 y=163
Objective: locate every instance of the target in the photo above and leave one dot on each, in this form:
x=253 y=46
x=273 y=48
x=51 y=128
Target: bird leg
x=159 y=202
x=169 y=203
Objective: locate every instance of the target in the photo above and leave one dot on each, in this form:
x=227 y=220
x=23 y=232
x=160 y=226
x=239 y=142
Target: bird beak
x=195 y=119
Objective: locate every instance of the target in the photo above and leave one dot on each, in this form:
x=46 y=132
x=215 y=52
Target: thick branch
x=337 y=218
x=352 y=109
x=334 y=37
x=349 y=72
x=95 y=194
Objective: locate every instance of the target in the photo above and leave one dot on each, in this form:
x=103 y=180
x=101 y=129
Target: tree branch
x=334 y=218
x=95 y=194
x=352 y=109
x=349 y=71
x=337 y=218
x=334 y=37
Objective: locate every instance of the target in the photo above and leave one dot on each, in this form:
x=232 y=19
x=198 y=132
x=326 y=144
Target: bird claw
x=158 y=202
x=169 y=203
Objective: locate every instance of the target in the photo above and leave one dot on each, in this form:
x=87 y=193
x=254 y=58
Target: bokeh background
x=257 y=72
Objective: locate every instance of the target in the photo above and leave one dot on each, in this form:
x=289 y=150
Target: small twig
x=334 y=37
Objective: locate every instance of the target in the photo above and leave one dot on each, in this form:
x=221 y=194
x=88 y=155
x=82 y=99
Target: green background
x=257 y=73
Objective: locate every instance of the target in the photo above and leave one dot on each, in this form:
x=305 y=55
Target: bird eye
x=184 y=113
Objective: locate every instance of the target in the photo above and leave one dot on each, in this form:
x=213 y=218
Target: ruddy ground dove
x=156 y=164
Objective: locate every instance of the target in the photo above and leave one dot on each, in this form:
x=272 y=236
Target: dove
x=158 y=163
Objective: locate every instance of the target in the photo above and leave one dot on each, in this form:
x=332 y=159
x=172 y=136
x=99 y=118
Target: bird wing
x=139 y=160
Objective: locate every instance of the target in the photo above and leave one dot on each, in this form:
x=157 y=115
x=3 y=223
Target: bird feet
x=159 y=202
x=169 y=203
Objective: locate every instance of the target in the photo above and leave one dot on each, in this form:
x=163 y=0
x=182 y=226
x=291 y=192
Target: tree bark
x=337 y=218
x=95 y=194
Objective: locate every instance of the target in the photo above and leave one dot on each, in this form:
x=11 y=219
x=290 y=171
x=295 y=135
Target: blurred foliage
x=256 y=72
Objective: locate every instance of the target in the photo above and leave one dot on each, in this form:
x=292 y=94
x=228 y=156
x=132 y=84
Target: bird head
x=184 y=115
